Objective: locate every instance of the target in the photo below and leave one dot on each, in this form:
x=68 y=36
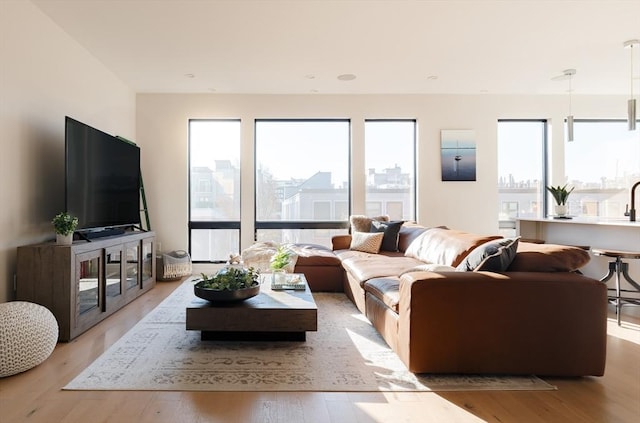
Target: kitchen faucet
x=632 y=213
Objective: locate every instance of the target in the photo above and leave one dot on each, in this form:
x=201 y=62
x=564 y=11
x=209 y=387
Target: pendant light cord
x=631 y=53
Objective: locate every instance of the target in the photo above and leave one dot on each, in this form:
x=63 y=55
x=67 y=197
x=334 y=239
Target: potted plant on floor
x=64 y=225
x=560 y=195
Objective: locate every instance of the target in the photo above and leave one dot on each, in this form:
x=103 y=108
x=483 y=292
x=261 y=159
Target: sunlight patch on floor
x=627 y=330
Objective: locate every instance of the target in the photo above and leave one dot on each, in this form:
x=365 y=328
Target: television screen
x=102 y=178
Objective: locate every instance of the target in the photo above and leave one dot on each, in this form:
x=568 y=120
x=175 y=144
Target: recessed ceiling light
x=189 y=75
x=346 y=77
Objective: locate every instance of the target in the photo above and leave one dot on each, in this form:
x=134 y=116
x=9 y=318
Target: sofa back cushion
x=408 y=233
x=445 y=246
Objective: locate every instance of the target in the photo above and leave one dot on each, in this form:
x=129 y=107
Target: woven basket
x=173 y=265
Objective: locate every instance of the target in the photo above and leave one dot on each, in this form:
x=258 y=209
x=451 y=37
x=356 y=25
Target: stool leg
x=612 y=271
x=618 y=303
x=625 y=273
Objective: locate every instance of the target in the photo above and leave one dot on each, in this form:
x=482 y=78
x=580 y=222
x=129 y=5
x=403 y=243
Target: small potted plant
x=560 y=194
x=281 y=258
x=64 y=225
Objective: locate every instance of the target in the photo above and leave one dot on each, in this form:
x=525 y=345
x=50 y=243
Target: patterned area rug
x=345 y=355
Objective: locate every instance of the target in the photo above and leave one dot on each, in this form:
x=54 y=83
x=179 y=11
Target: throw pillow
x=492 y=256
x=391 y=231
x=361 y=223
x=366 y=242
x=548 y=258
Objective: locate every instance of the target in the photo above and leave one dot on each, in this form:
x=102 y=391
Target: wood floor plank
x=37 y=395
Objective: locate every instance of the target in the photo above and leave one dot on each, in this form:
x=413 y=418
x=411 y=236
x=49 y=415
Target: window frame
x=546 y=168
x=298 y=224
x=413 y=210
x=213 y=224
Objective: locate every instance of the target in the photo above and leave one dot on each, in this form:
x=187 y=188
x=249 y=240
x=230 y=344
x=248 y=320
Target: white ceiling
x=395 y=46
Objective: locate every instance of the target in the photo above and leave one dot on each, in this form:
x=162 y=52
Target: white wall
x=44 y=75
x=162 y=125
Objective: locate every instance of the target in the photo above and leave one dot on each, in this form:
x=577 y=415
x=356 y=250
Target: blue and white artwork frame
x=458 y=154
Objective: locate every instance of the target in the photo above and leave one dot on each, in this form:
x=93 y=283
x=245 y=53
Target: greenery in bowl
x=64 y=223
x=281 y=258
x=560 y=194
x=231 y=279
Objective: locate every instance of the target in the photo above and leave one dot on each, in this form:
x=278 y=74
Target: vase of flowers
x=64 y=225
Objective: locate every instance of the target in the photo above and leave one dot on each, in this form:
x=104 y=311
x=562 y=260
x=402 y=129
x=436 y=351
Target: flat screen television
x=102 y=178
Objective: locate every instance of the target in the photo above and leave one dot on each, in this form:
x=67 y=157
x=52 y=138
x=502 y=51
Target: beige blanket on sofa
x=259 y=256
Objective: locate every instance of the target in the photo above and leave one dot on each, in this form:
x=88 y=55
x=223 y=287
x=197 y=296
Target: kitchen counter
x=605 y=233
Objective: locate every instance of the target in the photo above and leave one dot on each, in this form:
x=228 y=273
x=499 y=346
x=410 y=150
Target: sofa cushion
x=386 y=290
x=548 y=258
x=431 y=267
x=391 y=231
x=492 y=256
x=361 y=223
x=364 y=266
x=366 y=242
x=446 y=246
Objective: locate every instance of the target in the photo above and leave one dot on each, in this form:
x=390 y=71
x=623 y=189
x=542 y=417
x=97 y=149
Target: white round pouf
x=28 y=335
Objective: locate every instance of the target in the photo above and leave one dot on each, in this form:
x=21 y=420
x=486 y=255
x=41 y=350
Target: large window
x=390 y=166
x=302 y=180
x=521 y=170
x=602 y=163
x=214 y=189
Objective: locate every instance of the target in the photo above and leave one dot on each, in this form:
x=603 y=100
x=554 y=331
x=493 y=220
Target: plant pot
x=561 y=209
x=64 y=239
x=216 y=295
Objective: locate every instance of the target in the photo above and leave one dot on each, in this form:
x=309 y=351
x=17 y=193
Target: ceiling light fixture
x=631 y=103
x=346 y=77
x=569 y=73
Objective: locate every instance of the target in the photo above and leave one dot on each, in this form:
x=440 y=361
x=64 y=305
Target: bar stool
x=620 y=268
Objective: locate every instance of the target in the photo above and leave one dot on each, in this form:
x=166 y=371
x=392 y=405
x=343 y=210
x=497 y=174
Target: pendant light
x=631 y=103
x=569 y=74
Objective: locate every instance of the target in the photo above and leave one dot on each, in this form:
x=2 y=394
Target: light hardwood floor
x=36 y=395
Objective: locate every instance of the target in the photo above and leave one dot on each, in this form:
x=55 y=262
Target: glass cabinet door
x=114 y=287
x=87 y=283
x=132 y=266
x=147 y=260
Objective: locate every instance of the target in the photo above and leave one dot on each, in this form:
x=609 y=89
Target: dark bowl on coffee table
x=216 y=295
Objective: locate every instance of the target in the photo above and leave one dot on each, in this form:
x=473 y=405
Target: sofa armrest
x=340 y=242
x=540 y=323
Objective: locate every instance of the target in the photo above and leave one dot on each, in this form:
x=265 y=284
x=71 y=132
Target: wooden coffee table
x=270 y=315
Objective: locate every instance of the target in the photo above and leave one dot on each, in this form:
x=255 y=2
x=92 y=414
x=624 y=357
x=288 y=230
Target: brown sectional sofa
x=538 y=316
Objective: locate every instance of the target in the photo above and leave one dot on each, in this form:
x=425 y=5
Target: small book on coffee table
x=289 y=281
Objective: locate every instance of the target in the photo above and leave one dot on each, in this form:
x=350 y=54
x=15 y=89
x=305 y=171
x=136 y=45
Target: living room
x=47 y=74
